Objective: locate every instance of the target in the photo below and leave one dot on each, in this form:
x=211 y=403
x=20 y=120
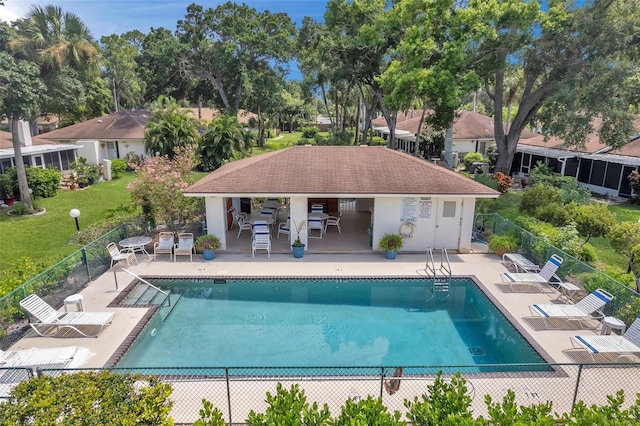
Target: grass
x=284 y=140
x=46 y=237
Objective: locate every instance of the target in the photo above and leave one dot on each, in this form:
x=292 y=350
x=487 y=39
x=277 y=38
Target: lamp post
x=75 y=213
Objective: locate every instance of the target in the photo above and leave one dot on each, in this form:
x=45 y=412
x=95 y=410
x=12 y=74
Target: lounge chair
x=520 y=262
x=164 y=245
x=547 y=275
x=37 y=356
x=587 y=308
x=627 y=345
x=50 y=322
x=185 y=246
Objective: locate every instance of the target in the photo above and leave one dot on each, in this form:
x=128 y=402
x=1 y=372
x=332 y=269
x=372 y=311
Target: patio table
x=136 y=244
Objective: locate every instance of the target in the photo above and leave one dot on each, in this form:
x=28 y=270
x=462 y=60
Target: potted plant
x=390 y=243
x=297 y=247
x=502 y=244
x=207 y=244
x=6 y=190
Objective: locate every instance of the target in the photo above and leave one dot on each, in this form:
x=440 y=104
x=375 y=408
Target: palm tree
x=169 y=128
x=54 y=39
x=223 y=138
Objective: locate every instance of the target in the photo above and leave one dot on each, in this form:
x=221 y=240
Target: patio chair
x=117 y=256
x=243 y=225
x=547 y=275
x=36 y=357
x=185 y=246
x=49 y=321
x=261 y=242
x=164 y=245
x=315 y=223
x=261 y=227
x=627 y=345
x=333 y=221
x=589 y=308
x=520 y=262
x=317 y=208
x=284 y=228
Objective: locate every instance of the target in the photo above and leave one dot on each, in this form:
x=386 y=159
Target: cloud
x=13 y=10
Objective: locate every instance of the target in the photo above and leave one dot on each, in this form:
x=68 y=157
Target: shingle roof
x=337 y=170
x=6 y=140
x=121 y=125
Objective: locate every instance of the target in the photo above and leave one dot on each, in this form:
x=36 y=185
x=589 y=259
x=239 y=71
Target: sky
x=106 y=17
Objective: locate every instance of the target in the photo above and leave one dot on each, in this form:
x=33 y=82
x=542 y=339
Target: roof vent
x=364 y=145
x=308 y=144
x=99 y=121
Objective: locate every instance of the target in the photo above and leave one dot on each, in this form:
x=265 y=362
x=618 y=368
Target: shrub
x=554 y=213
x=487 y=180
x=118 y=167
x=472 y=157
x=44 y=183
x=89 y=398
x=445 y=403
x=368 y=411
x=309 y=132
x=503 y=243
x=504 y=182
x=289 y=407
x=378 y=141
x=538 y=196
x=593 y=220
x=570 y=189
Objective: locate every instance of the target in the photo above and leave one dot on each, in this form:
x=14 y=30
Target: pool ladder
x=441 y=275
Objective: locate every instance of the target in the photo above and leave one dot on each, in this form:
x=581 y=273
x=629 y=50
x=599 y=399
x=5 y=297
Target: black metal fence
x=237 y=391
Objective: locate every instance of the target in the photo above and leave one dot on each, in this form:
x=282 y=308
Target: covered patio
x=392 y=192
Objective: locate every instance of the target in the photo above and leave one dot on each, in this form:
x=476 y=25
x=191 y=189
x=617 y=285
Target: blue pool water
x=328 y=323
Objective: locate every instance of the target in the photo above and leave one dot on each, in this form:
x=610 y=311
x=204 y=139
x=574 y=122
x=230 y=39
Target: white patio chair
x=164 y=245
x=284 y=228
x=261 y=242
x=315 y=223
x=261 y=227
x=243 y=225
x=184 y=247
x=333 y=221
x=117 y=255
x=317 y=208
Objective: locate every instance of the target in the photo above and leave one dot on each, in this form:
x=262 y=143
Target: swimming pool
x=327 y=322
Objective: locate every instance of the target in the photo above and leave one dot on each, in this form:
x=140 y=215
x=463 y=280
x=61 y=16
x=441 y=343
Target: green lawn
x=284 y=140
x=47 y=236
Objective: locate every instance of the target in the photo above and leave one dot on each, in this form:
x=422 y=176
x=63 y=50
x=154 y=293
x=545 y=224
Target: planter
x=390 y=254
x=298 y=252
x=208 y=254
x=9 y=201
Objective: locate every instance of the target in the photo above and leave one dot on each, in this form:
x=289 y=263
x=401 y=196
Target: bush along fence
x=626 y=304
x=570 y=394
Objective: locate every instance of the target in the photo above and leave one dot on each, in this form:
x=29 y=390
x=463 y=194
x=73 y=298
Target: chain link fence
x=626 y=302
x=237 y=391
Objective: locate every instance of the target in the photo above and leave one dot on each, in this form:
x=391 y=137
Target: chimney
x=24 y=133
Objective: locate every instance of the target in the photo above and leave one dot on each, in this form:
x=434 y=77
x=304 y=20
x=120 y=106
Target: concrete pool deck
x=485 y=267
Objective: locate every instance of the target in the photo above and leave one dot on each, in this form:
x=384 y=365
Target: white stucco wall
x=89 y=150
x=434 y=231
x=217 y=219
x=135 y=146
x=298 y=215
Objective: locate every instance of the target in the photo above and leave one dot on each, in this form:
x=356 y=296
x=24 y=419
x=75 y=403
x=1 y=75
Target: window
x=612 y=179
x=597 y=173
x=449 y=209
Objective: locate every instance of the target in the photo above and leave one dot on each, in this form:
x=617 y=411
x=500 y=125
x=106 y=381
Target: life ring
x=407 y=229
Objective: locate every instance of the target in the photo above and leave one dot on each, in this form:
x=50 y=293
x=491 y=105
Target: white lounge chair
x=50 y=322
x=37 y=356
x=520 y=262
x=627 y=345
x=164 y=245
x=185 y=246
x=587 y=308
x=315 y=223
x=547 y=275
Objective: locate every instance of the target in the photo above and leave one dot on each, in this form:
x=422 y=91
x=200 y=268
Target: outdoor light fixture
x=75 y=213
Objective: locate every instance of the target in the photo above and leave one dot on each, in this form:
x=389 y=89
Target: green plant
x=290 y=408
x=538 y=196
x=207 y=242
x=504 y=242
x=309 y=132
x=486 y=180
x=390 y=242
x=210 y=415
x=6 y=187
x=472 y=157
x=298 y=228
x=369 y=411
x=106 y=398
x=118 y=167
x=445 y=403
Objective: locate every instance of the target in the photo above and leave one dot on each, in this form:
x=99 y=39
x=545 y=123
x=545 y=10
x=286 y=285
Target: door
x=447 y=223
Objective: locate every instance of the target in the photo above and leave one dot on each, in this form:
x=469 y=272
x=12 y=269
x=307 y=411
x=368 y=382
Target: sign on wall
x=409 y=210
x=424 y=208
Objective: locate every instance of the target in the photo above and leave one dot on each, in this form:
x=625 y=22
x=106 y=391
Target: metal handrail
x=142 y=280
x=430 y=269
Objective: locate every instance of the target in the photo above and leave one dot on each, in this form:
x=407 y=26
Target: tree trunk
x=25 y=196
x=326 y=104
x=416 y=151
x=357 y=136
x=448 y=145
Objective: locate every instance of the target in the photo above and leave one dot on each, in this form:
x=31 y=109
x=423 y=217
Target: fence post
x=575 y=392
x=381 y=381
x=226 y=374
x=85 y=261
